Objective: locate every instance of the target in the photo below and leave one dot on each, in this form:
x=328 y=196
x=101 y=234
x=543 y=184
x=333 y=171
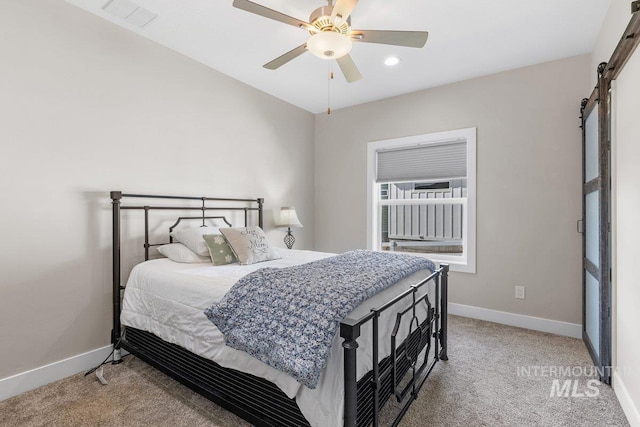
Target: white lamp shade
x=329 y=45
x=288 y=217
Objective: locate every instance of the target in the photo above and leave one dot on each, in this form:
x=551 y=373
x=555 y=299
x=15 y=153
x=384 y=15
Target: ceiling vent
x=130 y=12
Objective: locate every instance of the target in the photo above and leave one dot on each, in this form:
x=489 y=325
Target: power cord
x=105 y=361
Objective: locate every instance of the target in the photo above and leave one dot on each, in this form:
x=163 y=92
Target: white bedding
x=168 y=299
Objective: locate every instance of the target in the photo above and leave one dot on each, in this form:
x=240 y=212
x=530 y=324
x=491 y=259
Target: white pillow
x=192 y=238
x=180 y=253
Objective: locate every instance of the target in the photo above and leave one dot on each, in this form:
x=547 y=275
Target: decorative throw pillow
x=219 y=249
x=180 y=253
x=250 y=244
x=192 y=238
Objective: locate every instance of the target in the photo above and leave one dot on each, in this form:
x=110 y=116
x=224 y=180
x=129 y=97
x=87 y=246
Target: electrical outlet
x=520 y=292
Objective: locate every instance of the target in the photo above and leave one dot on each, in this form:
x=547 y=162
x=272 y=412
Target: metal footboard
x=365 y=399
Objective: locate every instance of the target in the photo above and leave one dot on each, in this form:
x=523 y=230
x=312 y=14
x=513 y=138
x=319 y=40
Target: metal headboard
x=207 y=204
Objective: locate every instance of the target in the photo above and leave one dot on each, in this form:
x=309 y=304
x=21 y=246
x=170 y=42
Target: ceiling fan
x=331 y=34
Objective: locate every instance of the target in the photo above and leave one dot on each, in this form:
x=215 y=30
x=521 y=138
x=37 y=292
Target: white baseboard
x=628 y=406
x=25 y=381
x=520 y=320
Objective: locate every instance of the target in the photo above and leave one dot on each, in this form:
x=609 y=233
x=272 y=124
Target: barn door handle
x=580 y=226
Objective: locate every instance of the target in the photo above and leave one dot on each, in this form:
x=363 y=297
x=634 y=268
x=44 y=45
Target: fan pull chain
x=329 y=87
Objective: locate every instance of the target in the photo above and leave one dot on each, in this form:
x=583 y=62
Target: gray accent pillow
x=192 y=238
x=250 y=244
x=180 y=253
x=219 y=249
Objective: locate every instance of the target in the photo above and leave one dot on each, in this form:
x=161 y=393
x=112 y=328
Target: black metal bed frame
x=261 y=402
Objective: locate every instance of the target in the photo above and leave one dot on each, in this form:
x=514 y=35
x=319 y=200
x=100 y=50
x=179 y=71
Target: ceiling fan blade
x=258 y=9
x=343 y=9
x=398 y=38
x=283 y=59
x=349 y=69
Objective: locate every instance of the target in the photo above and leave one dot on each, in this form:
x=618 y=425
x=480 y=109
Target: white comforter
x=168 y=299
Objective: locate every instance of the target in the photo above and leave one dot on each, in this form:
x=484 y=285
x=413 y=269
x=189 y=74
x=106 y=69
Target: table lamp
x=289 y=218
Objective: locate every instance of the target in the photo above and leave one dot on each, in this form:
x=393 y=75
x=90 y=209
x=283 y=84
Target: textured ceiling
x=467 y=38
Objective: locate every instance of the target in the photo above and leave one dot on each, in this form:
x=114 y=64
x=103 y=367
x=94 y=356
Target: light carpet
x=496 y=376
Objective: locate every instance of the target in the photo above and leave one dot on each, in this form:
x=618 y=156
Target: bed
x=385 y=348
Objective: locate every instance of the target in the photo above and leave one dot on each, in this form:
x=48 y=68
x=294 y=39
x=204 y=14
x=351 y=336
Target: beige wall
x=627 y=154
x=528 y=180
x=625 y=158
x=87 y=107
x=610 y=33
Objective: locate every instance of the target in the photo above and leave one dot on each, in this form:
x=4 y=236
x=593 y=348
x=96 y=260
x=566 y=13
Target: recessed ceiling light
x=391 y=61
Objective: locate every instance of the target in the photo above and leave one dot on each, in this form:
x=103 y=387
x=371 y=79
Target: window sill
x=457 y=265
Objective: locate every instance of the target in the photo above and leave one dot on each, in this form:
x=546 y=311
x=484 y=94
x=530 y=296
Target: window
x=422 y=196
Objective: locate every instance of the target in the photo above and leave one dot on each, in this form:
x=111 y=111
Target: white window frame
x=465 y=263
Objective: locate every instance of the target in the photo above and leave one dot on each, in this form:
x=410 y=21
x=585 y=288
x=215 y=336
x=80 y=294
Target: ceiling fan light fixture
x=329 y=45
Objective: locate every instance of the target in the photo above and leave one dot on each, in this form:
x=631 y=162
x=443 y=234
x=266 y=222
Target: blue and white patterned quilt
x=288 y=317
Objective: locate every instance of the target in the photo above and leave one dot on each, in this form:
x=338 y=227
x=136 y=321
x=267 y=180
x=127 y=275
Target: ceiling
x=467 y=38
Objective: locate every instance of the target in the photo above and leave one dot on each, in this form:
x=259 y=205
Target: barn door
x=596 y=325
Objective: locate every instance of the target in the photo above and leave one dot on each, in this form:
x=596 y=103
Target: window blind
x=423 y=162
